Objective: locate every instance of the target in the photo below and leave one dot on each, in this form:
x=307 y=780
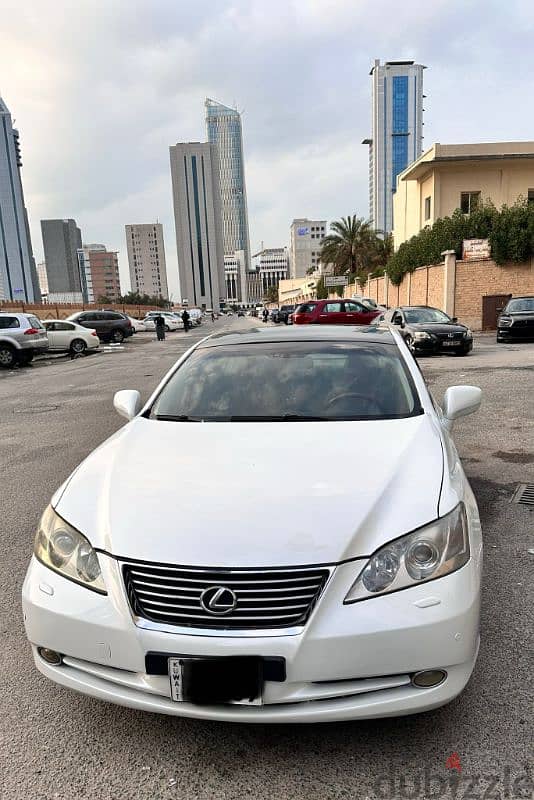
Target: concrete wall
x=64 y=310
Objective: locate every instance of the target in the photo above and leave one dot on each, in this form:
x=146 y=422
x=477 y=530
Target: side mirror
x=455 y=319
x=459 y=401
x=127 y=403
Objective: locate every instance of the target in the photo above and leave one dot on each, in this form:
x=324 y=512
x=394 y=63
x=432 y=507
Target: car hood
x=255 y=494
x=439 y=328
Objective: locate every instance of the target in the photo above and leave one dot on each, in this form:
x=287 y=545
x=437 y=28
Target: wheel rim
x=6 y=357
x=409 y=342
x=78 y=346
x=117 y=336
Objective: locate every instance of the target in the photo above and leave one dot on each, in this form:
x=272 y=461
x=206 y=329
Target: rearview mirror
x=127 y=403
x=459 y=401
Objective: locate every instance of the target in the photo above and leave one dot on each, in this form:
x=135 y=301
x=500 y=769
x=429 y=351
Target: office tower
x=104 y=273
x=235 y=276
x=197 y=218
x=306 y=236
x=223 y=129
x=61 y=240
x=272 y=264
x=18 y=273
x=42 y=278
x=397 y=136
x=146 y=259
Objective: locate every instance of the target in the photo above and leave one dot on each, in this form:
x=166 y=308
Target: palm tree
x=353 y=247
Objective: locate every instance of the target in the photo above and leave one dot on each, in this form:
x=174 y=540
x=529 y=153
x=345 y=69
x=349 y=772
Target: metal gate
x=492 y=305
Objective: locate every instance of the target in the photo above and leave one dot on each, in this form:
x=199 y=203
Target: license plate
x=212 y=681
x=452 y=343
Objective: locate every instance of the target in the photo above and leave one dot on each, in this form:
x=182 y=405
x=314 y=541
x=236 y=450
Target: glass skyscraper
x=223 y=128
x=397 y=133
x=18 y=273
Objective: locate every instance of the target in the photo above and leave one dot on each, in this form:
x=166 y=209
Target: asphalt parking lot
x=56 y=744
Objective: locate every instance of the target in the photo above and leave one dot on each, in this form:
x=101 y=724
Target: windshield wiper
x=176 y=418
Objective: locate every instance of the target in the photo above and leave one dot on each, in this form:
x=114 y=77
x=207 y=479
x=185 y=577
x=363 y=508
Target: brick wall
x=64 y=310
x=475 y=279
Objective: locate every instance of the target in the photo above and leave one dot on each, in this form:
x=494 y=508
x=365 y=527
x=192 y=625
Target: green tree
x=354 y=248
x=321 y=290
x=104 y=299
x=271 y=295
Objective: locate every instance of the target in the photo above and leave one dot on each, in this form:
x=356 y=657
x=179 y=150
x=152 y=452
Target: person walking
x=185 y=319
x=213 y=316
x=265 y=315
x=159 y=322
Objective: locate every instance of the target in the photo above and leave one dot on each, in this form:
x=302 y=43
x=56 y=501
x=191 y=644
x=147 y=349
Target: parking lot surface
x=57 y=744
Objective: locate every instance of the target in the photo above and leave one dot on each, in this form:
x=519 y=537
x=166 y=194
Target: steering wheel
x=345 y=395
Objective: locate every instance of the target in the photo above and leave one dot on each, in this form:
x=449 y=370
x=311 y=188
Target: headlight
x=468 y=333
x=422 y=335
x=61 y=548
x=505 y=322
x=430 y=552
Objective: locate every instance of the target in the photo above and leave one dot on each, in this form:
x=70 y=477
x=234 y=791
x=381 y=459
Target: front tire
x=410 y=345
x=77 y=347
x=8 y=358
x=167 y=329
x=117 y=336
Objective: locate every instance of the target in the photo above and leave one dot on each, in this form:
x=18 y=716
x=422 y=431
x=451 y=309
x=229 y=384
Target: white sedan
x=360 y=597
x=172 y=323
x=64 y=336
x=137 y=324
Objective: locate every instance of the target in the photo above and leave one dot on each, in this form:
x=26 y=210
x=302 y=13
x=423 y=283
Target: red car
x=334 y=312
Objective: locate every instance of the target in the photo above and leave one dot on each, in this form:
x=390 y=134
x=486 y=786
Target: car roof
x=522 y=297
x=414 y=308
x=304 y=333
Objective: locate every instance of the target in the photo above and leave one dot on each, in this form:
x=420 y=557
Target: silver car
x=21 y=337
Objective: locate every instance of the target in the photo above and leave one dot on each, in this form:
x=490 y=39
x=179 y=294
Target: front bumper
x=433 y=346
x=516 y=332
x=349 y=662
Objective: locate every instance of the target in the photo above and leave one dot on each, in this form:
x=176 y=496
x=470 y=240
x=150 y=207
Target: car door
x=63 y=331
x=358 y=314
x=53 y=335
x=332 y=313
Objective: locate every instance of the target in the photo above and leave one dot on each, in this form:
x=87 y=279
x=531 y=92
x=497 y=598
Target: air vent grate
x=524 y=494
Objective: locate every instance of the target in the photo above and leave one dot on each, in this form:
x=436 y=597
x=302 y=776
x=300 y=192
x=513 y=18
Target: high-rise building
x=18 y=273
x=197 y=218
x=397 y=137
x=146 y=259
x=272 y=264
x=306 y=237
x=235 y=277
x=104 y=271
x=42 y=278
x=86 y=279
x=61 y=240
x=223 y=128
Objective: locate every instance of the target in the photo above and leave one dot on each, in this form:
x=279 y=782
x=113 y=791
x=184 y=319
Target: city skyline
x=301 y=85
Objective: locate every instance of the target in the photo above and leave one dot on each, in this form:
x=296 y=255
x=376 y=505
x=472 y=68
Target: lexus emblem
x=218 y=600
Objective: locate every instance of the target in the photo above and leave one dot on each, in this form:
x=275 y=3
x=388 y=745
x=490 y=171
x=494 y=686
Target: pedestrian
x=185 y=319
x=159 y=322
x=265 y=315
x=213 y=316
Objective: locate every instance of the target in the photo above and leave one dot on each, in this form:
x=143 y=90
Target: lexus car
x=354 y=594
x=429 y=330
x=516 y=320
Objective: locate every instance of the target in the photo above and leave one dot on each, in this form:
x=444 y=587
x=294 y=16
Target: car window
x=520 y=304
x=396 y=318
x=9 y=322
x=353 y=307
x=332 y=308
x=421 y=315
x=35 y=322
x=64 y=326
x=290 y=380
x=50 y=326
x=306 y=308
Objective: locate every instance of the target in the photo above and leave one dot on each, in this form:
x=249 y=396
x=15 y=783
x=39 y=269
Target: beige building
x=146 y=259
x=451 y=176
x=297 y=290
x=306 y=236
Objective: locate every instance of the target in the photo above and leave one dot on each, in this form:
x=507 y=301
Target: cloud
x=101 y=89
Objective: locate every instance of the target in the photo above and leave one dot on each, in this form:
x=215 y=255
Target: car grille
x=263 y=598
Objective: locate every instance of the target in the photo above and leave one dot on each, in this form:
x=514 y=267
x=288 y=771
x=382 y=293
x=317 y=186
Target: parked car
x=285 y=312
x=333 y=312
x=370 y=608
x=173 y=320
x=369 y=302
x=240 y=313
x=195 y=315
x=69 y=337
x=109 y=325
x=516 y=320
x=273 y=314
x=137 y=325
x=429 y=330
x=21 y=337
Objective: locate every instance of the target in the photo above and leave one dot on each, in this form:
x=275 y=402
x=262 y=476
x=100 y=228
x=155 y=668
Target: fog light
x=50 y=656
x=428 y=678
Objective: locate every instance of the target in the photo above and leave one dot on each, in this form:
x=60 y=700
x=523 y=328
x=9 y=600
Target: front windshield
x=418 y=315
x=289 y=381
x=520 y=304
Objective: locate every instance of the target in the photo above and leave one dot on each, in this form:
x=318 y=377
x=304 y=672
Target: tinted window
x=520 y=304
x=9 y=322
x=425 y=315
x=63 y=326
x=332 y=308
x=271 y=382
x=35 y=322
x=354 y=307
x=306 y=308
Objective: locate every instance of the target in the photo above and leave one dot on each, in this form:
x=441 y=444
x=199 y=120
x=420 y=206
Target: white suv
x=21 y=337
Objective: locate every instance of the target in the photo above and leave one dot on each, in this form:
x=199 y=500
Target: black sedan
x=516 y=320
x=429 y=330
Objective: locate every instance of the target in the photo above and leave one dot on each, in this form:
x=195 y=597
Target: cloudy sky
x=100 y=89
